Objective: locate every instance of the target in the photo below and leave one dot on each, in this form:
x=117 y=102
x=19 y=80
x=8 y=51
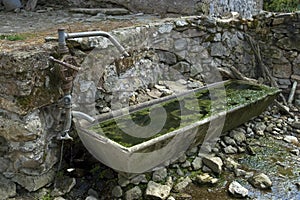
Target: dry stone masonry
x=193 y=46
x=187 y=7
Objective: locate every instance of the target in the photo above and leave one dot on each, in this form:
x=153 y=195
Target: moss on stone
x=40 y=96
x=179 y=116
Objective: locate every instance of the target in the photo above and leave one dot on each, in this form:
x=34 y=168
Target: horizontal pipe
x=98 y=33
x=64 y=64
x=81 y=115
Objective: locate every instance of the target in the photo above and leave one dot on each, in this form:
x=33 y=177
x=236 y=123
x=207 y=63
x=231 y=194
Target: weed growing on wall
x=281 y=5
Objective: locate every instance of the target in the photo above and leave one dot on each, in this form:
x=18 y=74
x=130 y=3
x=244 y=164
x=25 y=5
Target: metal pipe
x=64 y=64
x=63 y=36
x=82 y=115
x=67 y=100
x=62 y=45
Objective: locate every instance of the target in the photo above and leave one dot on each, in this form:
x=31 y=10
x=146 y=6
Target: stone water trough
x=154 y=133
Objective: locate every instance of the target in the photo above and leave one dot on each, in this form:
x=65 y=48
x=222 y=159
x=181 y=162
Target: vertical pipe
x=62 y=45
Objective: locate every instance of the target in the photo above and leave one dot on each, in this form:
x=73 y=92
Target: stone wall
x=193 y=46
x=246 y=8
x=279 y=40
x=27 y=151
x=200 y=45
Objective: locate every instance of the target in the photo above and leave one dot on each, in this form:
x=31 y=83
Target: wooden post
x=292 y=93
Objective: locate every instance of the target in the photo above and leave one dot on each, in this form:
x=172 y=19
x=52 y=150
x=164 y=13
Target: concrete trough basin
x=145 y=136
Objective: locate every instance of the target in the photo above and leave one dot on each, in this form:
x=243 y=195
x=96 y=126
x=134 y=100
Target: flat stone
x=193 y=85
x=182 y=184
x=296 y=68
x=284 y=81
x=175 y=86
x=206 y=178
x=22 y=131
x=270 y=127
x=239 y=172
x=183 y=196
x=296 y=124
x=192 y=151
x=197 y=163
x=237 y=190
x=117 y=191
x=95 y=11
x=11 y=5
x=59 y=198
x=260 y=181
x=33 y=183
x=106 y=110
x=186 y=164
x=214 y=163
x=91 y=198
x=219 y=50
x=206 y=169
x=166 y=92
x=260 y=126
x=92 y=192
x=7 y=188
x=160 y=175
x=231 y=164
x=298 y=185
x=291 y=139
x=179 y=172
x=123 y=181
x=297 y=102
x=296 y=152
x=4 y=163
x=282 y=70
x=181 y=23
x=182 y=158
x=180 y=44
x=196 y=69
x=154 y=93
x=229 y=141
x=277 y=21
x=182 y=67
x=218 y=37
x=139 y=179
x=165 y=28
x=295 y=77
x=230 y=150
x=158 y=190
x=134 y=193
x=159 y=87
x=171 y=198
x=63 y=185
x=167 y=57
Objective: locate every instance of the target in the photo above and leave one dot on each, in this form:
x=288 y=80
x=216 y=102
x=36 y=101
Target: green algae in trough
x=184 y=111
x=189 y=118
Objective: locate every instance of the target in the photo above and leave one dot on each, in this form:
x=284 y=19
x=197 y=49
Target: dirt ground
x=29 y=29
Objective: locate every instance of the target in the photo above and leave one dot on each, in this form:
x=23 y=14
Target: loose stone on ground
x=237 y=190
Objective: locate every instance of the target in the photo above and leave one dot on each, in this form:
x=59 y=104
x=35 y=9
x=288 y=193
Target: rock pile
x=193 y=167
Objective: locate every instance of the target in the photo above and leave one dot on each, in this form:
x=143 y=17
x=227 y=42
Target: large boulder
x=11 y=5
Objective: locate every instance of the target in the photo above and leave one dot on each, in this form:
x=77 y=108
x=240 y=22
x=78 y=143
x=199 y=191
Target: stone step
x=106 y=11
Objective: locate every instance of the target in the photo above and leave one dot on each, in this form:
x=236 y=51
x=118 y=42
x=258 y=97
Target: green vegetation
x=281 y=5
x=183 y=111
x=14 y=37
x=47 y=197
